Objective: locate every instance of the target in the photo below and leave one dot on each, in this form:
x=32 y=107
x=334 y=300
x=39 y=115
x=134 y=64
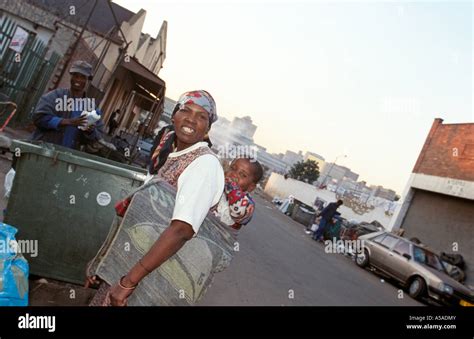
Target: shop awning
x=143 y=76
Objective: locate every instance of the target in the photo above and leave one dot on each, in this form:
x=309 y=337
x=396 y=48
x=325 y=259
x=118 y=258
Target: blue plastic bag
x=14 y=270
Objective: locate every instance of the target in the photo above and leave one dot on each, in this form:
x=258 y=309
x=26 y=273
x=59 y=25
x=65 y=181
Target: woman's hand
x=120 y=292
x=91 y=281
x=170 y=241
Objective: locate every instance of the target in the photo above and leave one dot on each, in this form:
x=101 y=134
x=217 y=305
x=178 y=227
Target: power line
x=76 y=43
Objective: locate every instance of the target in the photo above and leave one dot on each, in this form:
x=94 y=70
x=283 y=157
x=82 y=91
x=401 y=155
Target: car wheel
x=362 y=259
x=417 y=288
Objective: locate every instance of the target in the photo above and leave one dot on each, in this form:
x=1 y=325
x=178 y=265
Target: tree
x=307 y=171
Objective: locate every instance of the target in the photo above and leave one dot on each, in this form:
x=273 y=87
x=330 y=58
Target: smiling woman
x=188 y=133
x=196 y=173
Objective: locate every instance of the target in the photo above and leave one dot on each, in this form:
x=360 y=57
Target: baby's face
x=241 y=170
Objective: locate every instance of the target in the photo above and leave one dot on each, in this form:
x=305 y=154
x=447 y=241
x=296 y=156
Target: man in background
x=326 y=216
x=113 y=124
x=58 y=113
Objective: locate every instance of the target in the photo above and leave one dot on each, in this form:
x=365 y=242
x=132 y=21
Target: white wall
x=278 y=186
x=454 y=187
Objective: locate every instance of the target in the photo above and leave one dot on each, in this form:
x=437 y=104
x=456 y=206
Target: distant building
x=292 y=158
x=244 y=127
x=385 y=193
x=271 y=161
x=348 y=184
x=349 y=174
x=312 y=156
x=364 y=189
x=331 y=171
x=316 y=158
x=239 y=132
x=168 y=108
x=225 y=132
x=438 y=201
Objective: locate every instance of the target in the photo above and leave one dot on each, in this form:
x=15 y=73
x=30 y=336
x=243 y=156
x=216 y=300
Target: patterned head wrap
x=201 y=98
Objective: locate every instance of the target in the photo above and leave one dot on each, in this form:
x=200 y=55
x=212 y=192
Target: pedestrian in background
x=326 y=216
x=113 y=123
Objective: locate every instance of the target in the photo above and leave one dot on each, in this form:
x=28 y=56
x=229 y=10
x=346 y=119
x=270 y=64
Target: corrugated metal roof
x=101 y=21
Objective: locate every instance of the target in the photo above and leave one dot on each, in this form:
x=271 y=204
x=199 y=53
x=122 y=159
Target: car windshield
x=428 y=258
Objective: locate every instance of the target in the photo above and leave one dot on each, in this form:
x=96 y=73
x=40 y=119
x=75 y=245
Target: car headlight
x=446 y=289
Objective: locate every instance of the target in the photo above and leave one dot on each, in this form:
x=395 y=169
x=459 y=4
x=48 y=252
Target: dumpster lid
x=60 y=153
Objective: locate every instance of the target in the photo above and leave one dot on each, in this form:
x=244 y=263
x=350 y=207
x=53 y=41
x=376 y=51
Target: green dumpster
x=64 y=200
x=302 y=213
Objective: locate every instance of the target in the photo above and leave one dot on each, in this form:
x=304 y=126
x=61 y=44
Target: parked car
x=414 y=266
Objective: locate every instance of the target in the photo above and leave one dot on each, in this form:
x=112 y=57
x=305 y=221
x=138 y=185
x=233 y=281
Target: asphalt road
x=277 y=261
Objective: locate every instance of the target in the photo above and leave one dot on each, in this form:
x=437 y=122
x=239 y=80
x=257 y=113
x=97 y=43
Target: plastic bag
x=8 y=184
x=314 y=227
x=14 y=270
x=92 y=118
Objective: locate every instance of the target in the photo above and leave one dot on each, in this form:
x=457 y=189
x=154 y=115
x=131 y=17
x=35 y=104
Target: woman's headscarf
x=201 y=98
x=164 y=141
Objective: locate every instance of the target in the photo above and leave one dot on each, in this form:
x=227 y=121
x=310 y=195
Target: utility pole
x=330 y=169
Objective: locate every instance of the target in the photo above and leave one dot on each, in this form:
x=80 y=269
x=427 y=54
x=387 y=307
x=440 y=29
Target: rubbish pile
x=13 y=269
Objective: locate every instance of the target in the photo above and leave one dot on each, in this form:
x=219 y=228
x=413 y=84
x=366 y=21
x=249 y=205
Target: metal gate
x=23 y=77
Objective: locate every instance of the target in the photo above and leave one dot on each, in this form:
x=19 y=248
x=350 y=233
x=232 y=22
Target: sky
x=364 y=79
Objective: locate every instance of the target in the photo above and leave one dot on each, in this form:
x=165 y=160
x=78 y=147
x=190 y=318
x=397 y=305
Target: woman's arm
x=170 y=241
x=199 y=188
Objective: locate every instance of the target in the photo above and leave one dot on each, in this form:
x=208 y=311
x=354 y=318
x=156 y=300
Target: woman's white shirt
x=200 y=187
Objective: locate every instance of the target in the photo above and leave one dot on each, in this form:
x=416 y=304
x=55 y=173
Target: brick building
x=438 y=206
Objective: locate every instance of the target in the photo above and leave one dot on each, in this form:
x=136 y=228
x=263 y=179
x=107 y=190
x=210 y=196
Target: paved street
x=277 y=256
